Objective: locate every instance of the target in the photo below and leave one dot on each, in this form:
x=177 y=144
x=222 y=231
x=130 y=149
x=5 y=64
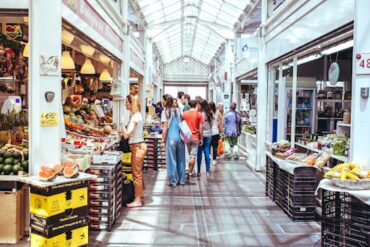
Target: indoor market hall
x=184 y=123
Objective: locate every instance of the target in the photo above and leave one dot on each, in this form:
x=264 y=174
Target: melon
x=46 y=175
x=7 y=169
x=107 y=129
x=69 y=165
x=69 y=172
x=58 y=169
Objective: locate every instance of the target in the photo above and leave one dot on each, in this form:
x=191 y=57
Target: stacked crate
x=156 y=155
x=294 y=193
x=345 y=220
x=105 y=195
x=270 y=178
x=58 y=215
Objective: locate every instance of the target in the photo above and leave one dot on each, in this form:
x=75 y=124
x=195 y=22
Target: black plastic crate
x=345 y=220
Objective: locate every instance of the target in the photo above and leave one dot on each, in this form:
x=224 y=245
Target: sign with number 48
x=363 y=64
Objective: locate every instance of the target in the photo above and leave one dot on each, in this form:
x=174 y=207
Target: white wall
x=305 y=21
x=191 y=71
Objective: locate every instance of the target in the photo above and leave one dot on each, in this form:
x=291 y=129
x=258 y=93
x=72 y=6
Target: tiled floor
x=229 y=208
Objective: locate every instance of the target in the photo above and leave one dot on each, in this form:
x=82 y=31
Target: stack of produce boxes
x=156 y=155
x=58 y=215
x=105 y=193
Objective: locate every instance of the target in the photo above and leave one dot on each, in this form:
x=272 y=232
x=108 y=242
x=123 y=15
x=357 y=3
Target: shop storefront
x=61 y=98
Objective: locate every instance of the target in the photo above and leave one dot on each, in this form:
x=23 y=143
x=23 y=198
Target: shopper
x=179 y=97
x=185 y=101
x=134 y=133
x=216 y=130
x=195 y=121
x=158 y=110
x=208 y=117
x=232 y=130
x=175 y=103
x=164 y=103
x=175 y=147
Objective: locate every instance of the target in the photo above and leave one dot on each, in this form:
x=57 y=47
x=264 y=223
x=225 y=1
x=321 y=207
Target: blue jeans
x=204 y=148
x=175 y=161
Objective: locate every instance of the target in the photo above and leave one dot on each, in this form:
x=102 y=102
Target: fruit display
x=96 y=144
x=66 y=169
x=349 y=171
x=13 y=160
x=249 y=129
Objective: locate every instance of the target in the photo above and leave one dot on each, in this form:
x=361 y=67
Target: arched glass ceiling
x=190 y=28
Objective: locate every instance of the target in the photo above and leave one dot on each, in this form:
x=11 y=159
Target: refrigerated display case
x=305 y=113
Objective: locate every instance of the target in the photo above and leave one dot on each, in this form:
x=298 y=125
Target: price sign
x=363 y=64
x=49 y=119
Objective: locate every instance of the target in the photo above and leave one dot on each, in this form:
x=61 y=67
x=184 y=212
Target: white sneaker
x=214 y=162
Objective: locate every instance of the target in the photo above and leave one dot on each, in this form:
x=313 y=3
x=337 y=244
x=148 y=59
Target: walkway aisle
x=229 y=208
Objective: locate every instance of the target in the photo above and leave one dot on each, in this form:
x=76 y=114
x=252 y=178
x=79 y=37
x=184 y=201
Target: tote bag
x=185 y=132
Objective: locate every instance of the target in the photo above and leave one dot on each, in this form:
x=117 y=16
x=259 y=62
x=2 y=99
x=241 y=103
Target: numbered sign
x=363 y=64
x=49 y=119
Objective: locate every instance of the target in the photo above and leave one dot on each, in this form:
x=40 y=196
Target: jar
x=330 y=95
x=346 y=117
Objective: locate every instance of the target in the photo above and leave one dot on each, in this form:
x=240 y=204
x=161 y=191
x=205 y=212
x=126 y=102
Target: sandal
x=134 y=205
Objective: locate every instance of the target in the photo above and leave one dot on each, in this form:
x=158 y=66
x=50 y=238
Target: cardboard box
x=73 y=238
x=10 y=215
x=52 y=230
x=67 y=216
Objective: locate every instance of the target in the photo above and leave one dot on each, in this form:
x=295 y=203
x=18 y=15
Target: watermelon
x=2 y=152
x=1 y=160
x=7 y=169
x=7 y=155
x=25 y=155
x=16 y=168
x=9 y=161
x=1 y=167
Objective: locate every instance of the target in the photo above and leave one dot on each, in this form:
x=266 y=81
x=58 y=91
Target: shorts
x=193 y=148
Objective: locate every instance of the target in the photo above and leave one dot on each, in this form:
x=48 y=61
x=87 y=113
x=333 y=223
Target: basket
x=363 y=184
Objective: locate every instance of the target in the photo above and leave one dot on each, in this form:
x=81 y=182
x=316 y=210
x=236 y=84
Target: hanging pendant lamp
x=67 y=61
x=105 y=76
x=104 y=59
x=88 y=67
x=87 y=50
x=67 y=37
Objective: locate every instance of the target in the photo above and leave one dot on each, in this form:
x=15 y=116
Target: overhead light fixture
x=104 y=59
x=105 y=76
x=87 y=50
x=309 y=59
x=337 y=48
x=88 y=67
x=67 y=61
x=26 y=50
x=67 y=37
x=186 y=59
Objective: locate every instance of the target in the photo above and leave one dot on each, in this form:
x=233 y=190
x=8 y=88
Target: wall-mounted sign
x=333 y=73
x=92 y=18
x=363 y=64
x=273 y=5
x=14 y=31
x=247 y=48
x=49 y=119
x=49 y=65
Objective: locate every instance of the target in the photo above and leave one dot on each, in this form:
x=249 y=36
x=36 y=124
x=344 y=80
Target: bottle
x=346 y=117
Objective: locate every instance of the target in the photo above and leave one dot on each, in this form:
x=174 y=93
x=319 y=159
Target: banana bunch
x=349 y=171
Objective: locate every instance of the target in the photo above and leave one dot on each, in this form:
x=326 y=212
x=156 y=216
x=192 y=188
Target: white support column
x=262 y=95
x=270 y=103
x=281 y=105
x=125 y=66
x=294 y=102
x=45 y=143
x=227 y=68
x=360 y=134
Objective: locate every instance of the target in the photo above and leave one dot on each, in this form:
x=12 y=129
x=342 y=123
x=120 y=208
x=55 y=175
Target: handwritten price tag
x=49 y=119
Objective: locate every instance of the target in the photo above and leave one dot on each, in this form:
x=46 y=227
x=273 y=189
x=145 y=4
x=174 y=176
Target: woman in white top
x=134 y=133
x=216 y=130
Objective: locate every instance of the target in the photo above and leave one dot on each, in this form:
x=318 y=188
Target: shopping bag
x=220 y=149
x=128 y=192
x=185 y=132
x=126 y=158
x=227 y=148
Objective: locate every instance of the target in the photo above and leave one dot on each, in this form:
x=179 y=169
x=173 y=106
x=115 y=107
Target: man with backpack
x=231 y=126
